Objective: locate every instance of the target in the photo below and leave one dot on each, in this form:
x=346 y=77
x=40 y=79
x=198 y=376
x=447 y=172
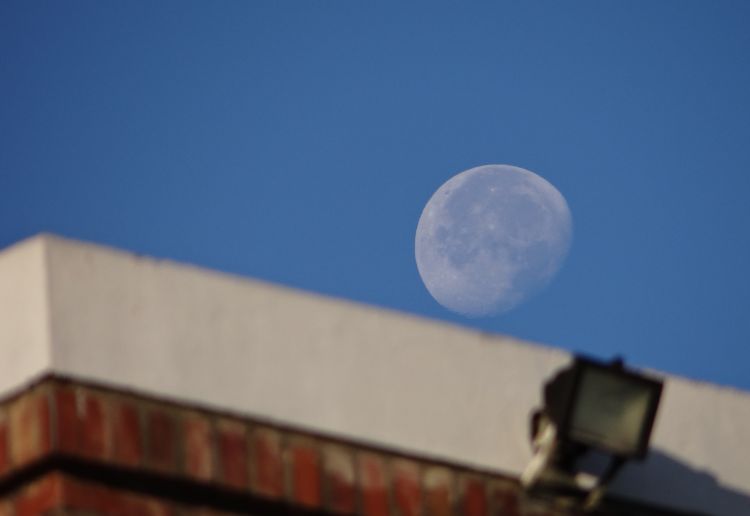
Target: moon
x=490 y=238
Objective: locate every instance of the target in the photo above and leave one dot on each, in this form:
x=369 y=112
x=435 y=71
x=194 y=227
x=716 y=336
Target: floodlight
x=591 y=406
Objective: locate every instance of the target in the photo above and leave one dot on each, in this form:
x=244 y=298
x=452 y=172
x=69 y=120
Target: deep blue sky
x=298 y=143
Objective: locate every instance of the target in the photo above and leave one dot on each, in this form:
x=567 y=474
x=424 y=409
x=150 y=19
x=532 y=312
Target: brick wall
x=71 y=448
x=60 y=494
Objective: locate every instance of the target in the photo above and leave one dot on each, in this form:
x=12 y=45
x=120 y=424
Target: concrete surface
x=333 y=366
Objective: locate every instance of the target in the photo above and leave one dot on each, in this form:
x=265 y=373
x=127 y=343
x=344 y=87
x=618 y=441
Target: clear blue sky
x=298 y=143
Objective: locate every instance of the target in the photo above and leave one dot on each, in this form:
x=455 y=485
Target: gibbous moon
x=490 y=238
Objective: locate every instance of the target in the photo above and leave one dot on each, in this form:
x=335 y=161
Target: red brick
x=438 y=491
x=82 y=422
x=126 y=432
x=161 y=439
x=540 y=508
x=43 y=495
x=198 y=446
x=93 y=498
x=373 y=484
x=66 y=418
x=407 y=490
x=203 y=511
x=231 y=440
x=95 y=434
x=504 y=498
x=155 y=507
x=338 y=468
x=267 y=466
x=473 y=496
x=60 y=494
x=4 y=451
x=305 y=473
x=29 y=425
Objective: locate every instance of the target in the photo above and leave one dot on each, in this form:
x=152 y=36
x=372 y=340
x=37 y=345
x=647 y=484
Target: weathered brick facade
x=68 y=447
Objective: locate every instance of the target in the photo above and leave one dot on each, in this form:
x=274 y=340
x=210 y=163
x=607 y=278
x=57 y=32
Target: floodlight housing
x=590 y=408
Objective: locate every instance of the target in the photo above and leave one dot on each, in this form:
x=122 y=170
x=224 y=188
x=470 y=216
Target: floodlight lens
x=610 y=411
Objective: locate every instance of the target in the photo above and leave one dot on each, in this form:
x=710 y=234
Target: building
x=137 y=386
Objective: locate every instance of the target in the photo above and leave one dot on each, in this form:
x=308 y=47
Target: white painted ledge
x=333 y=366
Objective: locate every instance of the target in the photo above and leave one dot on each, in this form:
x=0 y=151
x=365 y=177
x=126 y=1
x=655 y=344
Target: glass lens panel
x=610 y=411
